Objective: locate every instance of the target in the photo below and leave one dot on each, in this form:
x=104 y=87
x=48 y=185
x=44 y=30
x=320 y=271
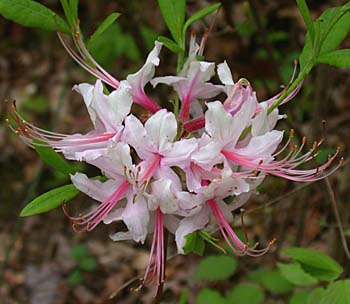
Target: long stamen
x=90 y=220
x=232 y=240
x=158 y=245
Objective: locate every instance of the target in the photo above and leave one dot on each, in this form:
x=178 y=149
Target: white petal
x=171 y=223
x=201 y=70
x=161 y=127
x=120 y=101
x=113 y=216
x=121 y=236
x=136 y=218
x=224 y=74
x=178 y=154
x=243 y=118
x=220 y=124
x=94 y=188
x=205 y=90
x=208 y=156
x=189 y=225
x=121 y=158
x=162 y=190
x=165 y=172
x=135 y=135
x=146 y=73
x=169 y=80
x=262 y=147
x=189 y=203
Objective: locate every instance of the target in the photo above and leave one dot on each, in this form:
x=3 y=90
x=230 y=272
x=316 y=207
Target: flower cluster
x=174 y=172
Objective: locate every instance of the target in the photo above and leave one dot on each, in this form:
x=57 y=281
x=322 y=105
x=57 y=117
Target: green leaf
x=74 y=4
x=331 y=34
x=272 y=280
x=316 y=295
x=200 y=14
x=246 y=293
x=102 y=27
x=50 y=157
x=306 y=54
x=296 y=275
x=337 y=293
x=75 y=277
x=337 y=58
x=300 y=297
x=32 y=14
x=79 y=252
x=112 y=44
x=170 y=44
x=209 y=296
x=184 y=296
x=211 y=240
x=88 y=264
x=50 y=200
x=173 y=12
x=216 y=267
x=67 y=12
x=194 y=243
x=315 y=263
x=304 y=10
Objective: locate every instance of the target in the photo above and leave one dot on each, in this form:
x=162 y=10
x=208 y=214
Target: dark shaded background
x=259 y=40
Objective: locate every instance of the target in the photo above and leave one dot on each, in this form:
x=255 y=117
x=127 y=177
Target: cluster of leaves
x=323 y=37
x=173 y=12
x=310 y=278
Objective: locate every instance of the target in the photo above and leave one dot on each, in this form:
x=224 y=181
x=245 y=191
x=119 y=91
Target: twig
x=337 y=217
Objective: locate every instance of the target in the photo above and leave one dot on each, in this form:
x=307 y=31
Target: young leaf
x=300 y=297
x=272 y=280
x=103 y=26
x=296 y=275
x=246 y=293
x=170 y=44
x=216 y=267
x=194 y=243
x=337 y=293
x=173 y=12
x=50 y=200
x=201 y=14
x=50 y=157
x=209 y=296
x=337 y=58
x=184 y=296
x=316 y=295
x=304 y=10
x=32 y=14
x=315 y=263
x=331 y=35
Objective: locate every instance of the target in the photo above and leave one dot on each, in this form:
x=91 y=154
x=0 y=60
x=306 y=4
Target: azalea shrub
x=186 y=164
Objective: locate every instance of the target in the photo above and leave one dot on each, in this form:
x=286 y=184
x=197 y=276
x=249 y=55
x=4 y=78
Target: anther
x=291 y=134
x=7 y=121
x=314 y=145
x=304 y=140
